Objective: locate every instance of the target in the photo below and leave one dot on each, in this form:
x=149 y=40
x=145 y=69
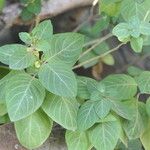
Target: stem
x=98 y=57
x=97 y=42
x=146 y=15
x=107 y=36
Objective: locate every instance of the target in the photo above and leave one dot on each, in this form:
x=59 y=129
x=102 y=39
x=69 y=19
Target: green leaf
x=111 y=8
x=62 y=110
x=58 y=78
x=25 y=37
x=21 y=59
x=4 y=119
x=6 y=52
x=105 y=136
x=2 y=3
x=136 y=127
x=42 y=31
x=26 y=15
x=34 y=6
x=119 y=86
x=101 y=48
x=125 y=109
x=144 y=82
x=3 y=109
x=101 y=24
x=87 y=116
x=102 y=108
x=33 y=131
x=134 y=71
x=3 y=71
x=108 y=60
x=137 y=44
x=132 y=8
x=134 y=26
x=145 y=138
x=121 y=31
x=66 y=47
x=3 y=83
x=83 y=86
x=25 y=96
x=148 y=106
x=145 y=28
x=132 y=145
x=86 y=57
x=77 y=140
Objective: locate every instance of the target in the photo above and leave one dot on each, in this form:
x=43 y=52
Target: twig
x=98 y=57
x=97 y=42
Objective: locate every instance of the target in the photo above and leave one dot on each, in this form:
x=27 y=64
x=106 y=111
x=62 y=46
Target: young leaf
x=58 y=78
x=62 y=110
x=83 y=85
x=119 y=86
x=25 y=96
x=43 y=31
x=105 y=136
x=144 y=82
x=137 y=44
x=77 y=140
x=66 y=47
x=21 y=59
x=25 y=37
x=121 y=31
x=87 y=116
x=33 y=131
x=108 y=60
x=7 y=50
x=136 y=127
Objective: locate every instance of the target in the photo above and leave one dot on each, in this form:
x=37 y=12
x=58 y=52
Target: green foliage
x=31 y=8
x=134 y=31
x=34 y=130
x=119 y=86
x=144 y=82
x=77 y=140
x=62 y=110
x=29 y=93
x=2 y=3
x=135 y=128
x=41 y=87
x=105 y=135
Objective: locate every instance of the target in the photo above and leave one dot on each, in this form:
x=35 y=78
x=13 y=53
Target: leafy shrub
x=41 y=87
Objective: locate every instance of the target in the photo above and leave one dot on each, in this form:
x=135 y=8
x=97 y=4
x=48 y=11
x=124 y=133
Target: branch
x=97 y=57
